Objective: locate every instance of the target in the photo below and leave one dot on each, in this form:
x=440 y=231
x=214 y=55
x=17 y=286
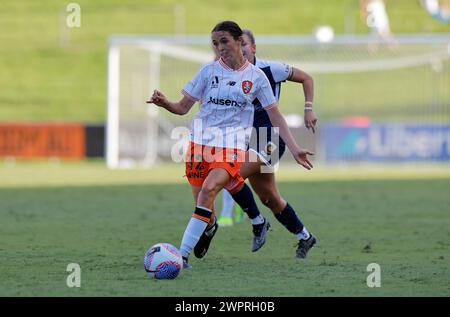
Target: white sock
x=257 y=220
x=192 y=234
x=227 y=204
x=303 y=235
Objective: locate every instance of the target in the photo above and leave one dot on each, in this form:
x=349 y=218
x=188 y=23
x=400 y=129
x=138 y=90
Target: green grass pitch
x=53 y=215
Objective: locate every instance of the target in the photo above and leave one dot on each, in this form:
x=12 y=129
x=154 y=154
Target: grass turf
x=105 y=221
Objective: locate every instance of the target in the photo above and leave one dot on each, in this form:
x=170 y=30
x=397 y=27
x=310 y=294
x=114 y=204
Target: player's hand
x=310 y=120
x=158 y=99
x=302 y=158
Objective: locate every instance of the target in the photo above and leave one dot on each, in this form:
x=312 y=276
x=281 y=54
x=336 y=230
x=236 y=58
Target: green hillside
x=51 y=72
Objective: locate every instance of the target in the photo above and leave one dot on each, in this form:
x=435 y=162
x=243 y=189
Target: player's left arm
x=270 y=105
x=299 y=76
x=277 y=120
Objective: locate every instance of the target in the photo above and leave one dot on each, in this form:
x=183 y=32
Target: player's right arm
x=282 y=72
x=192 y=92
x=299 y=76
x=181 y=107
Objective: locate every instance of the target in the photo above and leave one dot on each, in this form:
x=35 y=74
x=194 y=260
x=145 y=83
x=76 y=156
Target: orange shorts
x=200 y=159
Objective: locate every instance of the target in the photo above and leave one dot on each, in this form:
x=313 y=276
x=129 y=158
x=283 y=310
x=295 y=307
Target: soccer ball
x=163 y=261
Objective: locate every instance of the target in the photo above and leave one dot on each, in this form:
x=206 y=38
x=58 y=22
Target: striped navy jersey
x=276 y=73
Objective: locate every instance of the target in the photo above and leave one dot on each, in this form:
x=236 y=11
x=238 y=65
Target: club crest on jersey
x=246 y=86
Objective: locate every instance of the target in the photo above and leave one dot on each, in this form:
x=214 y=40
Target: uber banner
x=386 y=142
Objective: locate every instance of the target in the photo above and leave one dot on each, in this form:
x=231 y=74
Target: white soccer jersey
x=225 y=117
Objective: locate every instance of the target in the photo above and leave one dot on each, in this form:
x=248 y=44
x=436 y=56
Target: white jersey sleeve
x=195 y=88
x=264 y=92
x=280 y=71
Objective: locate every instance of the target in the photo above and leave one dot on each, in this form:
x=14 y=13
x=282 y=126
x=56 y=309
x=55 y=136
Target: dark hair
x=229 y=26
x=249 y=34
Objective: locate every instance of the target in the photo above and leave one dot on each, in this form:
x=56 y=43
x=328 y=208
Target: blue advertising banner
x=386 y=142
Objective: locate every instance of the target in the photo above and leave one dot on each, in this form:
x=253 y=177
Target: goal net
x=357 y=79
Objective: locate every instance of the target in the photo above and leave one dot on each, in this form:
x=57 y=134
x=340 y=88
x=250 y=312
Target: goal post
x=134 y=71
x=112 y=126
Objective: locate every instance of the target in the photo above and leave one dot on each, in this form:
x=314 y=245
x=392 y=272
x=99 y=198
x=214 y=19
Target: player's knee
x=210 y=189
x=270 y=200
x=266 y=200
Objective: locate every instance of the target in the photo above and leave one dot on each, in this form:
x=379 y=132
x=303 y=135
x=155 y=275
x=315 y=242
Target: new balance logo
x=231 y=83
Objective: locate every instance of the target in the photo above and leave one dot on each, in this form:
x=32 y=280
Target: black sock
x=245 y=199
x=289 y=219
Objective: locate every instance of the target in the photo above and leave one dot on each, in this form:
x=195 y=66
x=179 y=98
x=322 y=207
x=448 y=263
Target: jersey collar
x=226 y=67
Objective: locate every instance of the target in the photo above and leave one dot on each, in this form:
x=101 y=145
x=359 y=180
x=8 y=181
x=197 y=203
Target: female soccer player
x=264 y=183
x=219 y=132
